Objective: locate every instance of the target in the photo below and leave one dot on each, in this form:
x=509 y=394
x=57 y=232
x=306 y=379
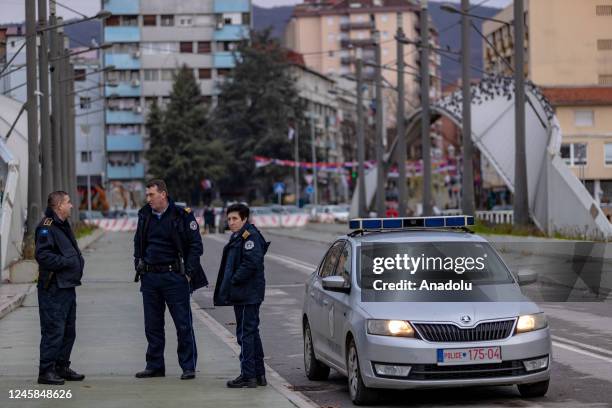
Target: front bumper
x=422 y=357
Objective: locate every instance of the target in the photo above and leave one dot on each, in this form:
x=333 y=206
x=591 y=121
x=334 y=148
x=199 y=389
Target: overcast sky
x=13 y=10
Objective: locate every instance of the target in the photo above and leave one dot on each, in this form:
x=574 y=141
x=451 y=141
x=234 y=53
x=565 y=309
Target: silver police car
x=393 y=334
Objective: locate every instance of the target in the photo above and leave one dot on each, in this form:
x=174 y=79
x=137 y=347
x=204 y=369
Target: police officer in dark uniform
x=241 y=283
x=167 y=250
x=60 y=270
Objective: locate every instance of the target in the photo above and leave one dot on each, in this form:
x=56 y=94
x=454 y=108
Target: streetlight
x=521 y=197
x=102 y=15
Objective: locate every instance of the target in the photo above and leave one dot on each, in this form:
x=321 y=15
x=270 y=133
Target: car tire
x=533 y=390
x=315 y=370
x=359 y=393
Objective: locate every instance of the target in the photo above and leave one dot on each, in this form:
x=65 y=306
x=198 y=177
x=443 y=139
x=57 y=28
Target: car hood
x=447 y=311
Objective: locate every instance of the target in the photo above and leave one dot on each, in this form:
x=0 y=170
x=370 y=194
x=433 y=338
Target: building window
x=603 y=10
x=605 y=44
x=583 y=118
x=574 y=154
x=608 y=154
x=185 y=21
x=330 y=21
x=204 y=73
x=79 y=74
x=129 y=21
x=204 y=47
x=85 y=102
x=186 y=47
x=229 y=46
x=223 y=72
x=246 y=19
x=86 y=157
x=605 y=80
x=151 y=75
x=167 y=20
x=330 y=37
x=149 y=20
x=167 y=74
x=112 y=21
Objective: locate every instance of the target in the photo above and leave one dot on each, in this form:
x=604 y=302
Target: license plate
x=472 y=355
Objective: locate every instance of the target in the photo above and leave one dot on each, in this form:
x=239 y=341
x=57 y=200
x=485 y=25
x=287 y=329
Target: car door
x=338 y=306
x=319 y=317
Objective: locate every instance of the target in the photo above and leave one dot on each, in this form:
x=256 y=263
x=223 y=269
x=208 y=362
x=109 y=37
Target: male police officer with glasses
x=167 y=250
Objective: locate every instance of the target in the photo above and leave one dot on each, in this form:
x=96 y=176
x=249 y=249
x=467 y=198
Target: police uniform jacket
x=185 y=235
x=57 y=253
x=241 y=279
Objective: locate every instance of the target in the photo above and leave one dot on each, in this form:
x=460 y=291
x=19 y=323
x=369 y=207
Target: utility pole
x=314 y=159
x=34 y=199
x=45 y=119
x=297 y=164
x=380 y=179
x=425 y=119
x=468 y=166
x=55 y=101
x=64 y=106
x=521 y=203
x=74 y=194
x=401 y=122
x=362 y=210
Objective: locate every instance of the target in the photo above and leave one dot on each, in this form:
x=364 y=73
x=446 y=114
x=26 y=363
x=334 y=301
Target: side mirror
x=526 y=276
x=336 y=284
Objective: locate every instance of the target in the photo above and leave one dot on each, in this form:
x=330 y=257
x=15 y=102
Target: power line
x=68 y=8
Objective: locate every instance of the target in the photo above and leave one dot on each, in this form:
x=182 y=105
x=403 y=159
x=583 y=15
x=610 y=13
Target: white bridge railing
x=494 y=217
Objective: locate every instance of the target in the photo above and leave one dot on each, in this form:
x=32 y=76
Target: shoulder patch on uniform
x=47 y=222
x=193 y=225
x=44 y=231
x=188 y=210
x=249 y=245
x=245 y=234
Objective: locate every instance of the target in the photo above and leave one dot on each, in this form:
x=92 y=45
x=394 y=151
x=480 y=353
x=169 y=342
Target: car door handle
x=326 y=302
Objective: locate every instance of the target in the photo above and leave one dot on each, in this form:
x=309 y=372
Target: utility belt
x=176 y=266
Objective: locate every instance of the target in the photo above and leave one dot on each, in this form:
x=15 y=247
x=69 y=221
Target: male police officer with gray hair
x=167 y=250
x=60 y=270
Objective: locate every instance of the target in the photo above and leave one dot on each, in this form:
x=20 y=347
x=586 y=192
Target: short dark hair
x=159 y=183
x=55 y=199
x=242 y=210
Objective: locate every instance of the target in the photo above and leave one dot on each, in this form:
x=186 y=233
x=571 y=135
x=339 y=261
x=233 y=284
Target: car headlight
x=527 y=323
x=397 y=328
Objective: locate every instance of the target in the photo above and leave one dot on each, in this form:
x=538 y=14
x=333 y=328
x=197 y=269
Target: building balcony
x=120 y=7
x=124 y=89
x=121 y=34
x=124 y=143
x=232 y=6
x=123 y=117
x=231 y=32
x=362 y=25
x=123 y=61
x=225 y=59
x=357 y=42
x=129 y=172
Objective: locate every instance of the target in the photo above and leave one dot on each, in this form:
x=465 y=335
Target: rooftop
x=575 y=95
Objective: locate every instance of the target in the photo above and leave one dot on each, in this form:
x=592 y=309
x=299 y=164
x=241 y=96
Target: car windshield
x=417 y=270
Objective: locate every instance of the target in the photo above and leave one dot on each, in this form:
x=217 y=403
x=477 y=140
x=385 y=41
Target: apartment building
x=151 y=40
x=328 y=33
x=568 y=50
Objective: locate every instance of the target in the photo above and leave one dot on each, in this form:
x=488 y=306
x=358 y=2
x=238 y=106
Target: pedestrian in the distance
x=241 y=283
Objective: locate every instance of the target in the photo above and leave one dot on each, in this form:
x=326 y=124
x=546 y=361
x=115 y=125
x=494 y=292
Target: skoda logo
x=465 y=319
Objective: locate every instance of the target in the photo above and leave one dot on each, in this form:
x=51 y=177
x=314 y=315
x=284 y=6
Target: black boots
x=146 y=373
x=50 y=378
x=69 y=374
x=188 y=375
x=240 y=382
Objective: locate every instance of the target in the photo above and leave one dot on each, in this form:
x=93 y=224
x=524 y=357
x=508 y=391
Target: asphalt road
x=582 y=348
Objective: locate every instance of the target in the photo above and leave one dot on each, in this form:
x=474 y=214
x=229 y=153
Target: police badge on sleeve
x=249 y=245
x=193 y=225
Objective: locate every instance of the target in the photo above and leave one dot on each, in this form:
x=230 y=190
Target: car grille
x=442 y=332
x=469 y=371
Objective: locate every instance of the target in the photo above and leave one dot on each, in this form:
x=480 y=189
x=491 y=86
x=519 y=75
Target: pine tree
x=257 y=103
x=182 y=150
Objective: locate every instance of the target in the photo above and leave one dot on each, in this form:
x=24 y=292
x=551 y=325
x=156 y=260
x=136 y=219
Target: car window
x=331 y=259
x=344 y=263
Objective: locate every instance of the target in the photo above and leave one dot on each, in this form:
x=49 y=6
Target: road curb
x=15 y=302
x=275 y=380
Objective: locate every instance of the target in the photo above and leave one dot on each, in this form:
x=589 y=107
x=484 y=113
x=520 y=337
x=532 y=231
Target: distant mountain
x=447 y=24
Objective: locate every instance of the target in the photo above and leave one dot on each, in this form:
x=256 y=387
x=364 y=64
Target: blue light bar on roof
x=454 y=221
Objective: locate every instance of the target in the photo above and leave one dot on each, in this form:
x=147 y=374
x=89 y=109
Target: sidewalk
x=110 y=347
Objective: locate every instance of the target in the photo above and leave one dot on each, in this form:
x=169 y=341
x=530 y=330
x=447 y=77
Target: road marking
x=296 y=264
x=281 y=385
x=581 y=351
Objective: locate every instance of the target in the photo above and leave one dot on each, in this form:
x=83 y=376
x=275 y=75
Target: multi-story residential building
x=12 y=83
x=89 y=103
x=151 y=40
x=328 y=33
x=568 y=49
x=2 y=45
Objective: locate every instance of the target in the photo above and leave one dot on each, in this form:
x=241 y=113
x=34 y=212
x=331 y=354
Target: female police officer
x=241 y=283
